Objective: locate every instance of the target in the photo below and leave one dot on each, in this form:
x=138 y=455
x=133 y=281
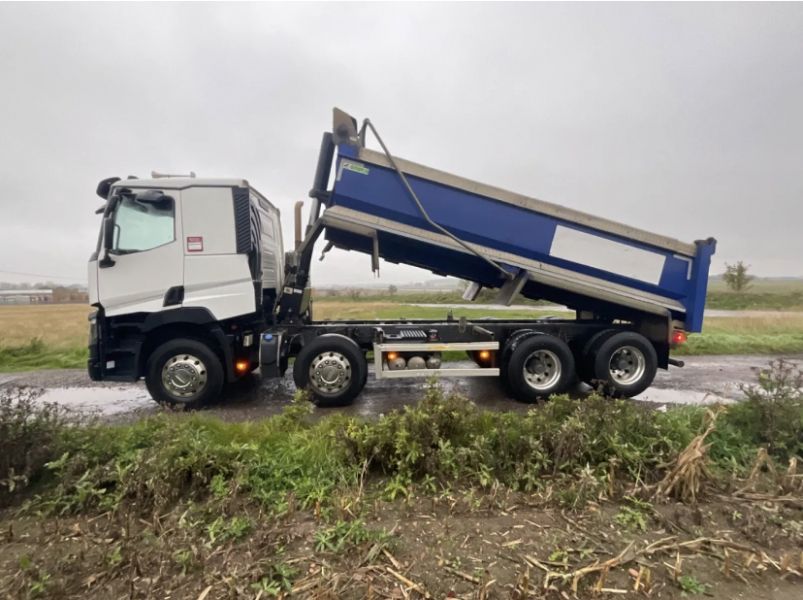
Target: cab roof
x=179 y=183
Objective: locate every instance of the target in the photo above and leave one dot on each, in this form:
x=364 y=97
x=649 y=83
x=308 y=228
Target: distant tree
x=355 y=293
x=392 y=289
x=736 y=277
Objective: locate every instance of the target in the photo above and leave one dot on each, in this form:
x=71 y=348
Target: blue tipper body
x=585 y=262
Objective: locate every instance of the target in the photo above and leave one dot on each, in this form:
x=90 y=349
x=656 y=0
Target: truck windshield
x=140 y=226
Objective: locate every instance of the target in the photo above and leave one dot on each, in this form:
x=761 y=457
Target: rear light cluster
x=678 y=337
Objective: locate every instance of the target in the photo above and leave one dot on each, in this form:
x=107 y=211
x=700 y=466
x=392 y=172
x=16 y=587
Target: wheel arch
x=212 y=336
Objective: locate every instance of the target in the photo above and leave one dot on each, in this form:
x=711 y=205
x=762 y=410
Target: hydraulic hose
x=421 y=209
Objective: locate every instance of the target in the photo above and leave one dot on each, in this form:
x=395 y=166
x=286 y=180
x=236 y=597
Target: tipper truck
x=193 y=289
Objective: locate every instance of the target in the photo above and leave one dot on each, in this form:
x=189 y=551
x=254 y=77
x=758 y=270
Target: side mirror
x=108 y=233
x=108 y=243
x=106 y=185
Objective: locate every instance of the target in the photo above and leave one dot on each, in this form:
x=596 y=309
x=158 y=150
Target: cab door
x=146 y=259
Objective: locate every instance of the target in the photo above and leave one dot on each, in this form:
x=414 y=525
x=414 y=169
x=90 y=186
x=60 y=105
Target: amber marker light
x=485 y=355
x=241 y=366
x=392 y=355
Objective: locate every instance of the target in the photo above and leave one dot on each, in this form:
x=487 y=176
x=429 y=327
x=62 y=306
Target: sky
x=684 y=119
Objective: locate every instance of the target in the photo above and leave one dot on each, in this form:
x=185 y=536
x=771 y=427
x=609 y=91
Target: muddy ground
x=704 y=379
x=449 y=546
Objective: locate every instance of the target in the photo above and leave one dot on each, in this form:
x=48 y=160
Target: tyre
x=332 y=368
x=625 y=364
x=585 y=361
x=184 y=372
x=539 y=366
x=505 y=353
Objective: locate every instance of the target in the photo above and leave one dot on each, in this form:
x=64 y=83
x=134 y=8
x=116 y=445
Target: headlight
x=93 y=328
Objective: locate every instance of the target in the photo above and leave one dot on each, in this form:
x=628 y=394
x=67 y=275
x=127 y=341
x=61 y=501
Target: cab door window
x=140 y=226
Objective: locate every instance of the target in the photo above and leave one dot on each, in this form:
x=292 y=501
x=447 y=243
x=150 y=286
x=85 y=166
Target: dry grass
x=65 y=325
x=328 y=310
x=62 y=325
x=763 y=325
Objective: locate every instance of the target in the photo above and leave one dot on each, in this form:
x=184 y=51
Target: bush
x=449 y=438
x=772 y=413
x=160 y=460
x=29 y=437
x=581 y=447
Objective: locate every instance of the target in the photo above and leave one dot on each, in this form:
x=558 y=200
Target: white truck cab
x=182 y=258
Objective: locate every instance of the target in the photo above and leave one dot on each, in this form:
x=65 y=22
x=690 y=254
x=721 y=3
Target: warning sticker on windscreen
x=195 y=243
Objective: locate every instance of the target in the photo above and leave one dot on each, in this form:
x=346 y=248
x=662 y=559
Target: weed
x=39 y=581
x=346 y=534
x=115 y=557
x=631 y=518
x=689 y=584
x=185 y=558
x=277 y=579
x=222 y=530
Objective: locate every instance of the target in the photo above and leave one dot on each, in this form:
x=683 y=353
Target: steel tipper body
x=544 y=250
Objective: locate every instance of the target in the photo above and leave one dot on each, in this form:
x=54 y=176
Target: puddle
x=99 y=401
x=252 y=398
x=664 y=396
x=7 y=378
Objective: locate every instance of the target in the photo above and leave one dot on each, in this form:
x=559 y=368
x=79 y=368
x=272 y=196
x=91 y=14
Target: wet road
x=704 y=379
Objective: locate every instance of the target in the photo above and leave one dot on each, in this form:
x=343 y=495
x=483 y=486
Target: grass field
x=41 y=337
x=763 y=294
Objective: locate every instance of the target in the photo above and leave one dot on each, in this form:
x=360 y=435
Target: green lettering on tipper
x=356 y=167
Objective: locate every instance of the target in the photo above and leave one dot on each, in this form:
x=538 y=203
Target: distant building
x=26 y=296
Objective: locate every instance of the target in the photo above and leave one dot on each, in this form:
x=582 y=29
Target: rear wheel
x=332 y=368
x=585 y=361
x=539 y=366
x=625 y=364
x=184 y=373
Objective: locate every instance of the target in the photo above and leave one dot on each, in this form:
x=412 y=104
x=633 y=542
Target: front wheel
x=333 y=368
x=184 y=373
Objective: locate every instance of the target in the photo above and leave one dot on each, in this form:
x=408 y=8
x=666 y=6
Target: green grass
x=61 y=343
x=762 y=294
x=288 y=462
x=37 y=355
x=738 y=343
x=725 y=300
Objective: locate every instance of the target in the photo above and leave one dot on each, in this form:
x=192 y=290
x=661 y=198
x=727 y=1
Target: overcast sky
x=684 y=119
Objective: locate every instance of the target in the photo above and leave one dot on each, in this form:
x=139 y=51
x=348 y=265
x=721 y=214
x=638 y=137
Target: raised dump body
x=500 y=239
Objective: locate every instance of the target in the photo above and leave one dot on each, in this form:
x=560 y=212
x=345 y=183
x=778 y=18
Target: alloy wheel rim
x=542 y=369
x=627 y=365
x=184 y=376
x=329 y=373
